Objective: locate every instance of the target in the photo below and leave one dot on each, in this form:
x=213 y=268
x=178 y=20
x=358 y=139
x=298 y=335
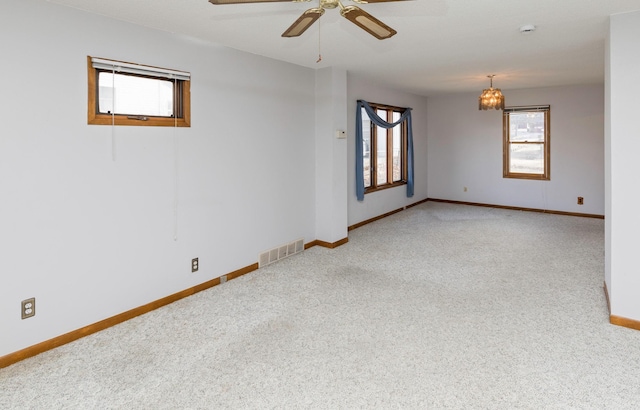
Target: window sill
x=535 y=177
x=383 y=187
x=105 y=119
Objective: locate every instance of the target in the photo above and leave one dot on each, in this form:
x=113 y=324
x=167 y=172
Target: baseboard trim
x=36 y=349
x=416 y=203
x=330 y=245
x=448 y=201
x=377 y=218
x=518 y=208
x=58 y=341
x=606 y=295
x=624 y=322
x=395 y=211
x=619 y=320
x=114 y=320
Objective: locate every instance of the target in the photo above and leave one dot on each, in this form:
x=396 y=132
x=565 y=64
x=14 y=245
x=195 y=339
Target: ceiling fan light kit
x=354 y=14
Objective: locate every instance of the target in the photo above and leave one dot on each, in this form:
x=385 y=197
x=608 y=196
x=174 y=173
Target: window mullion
x=390 y=148
x=506 y=159
x=373 y=155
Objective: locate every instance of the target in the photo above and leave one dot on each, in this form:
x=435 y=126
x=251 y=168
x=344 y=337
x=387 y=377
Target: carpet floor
x=440 y=306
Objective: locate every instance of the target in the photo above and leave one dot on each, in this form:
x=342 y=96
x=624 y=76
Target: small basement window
x=132 y=94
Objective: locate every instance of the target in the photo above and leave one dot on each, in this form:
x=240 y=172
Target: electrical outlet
x=28 y=308
x=194 y=265
x=580 y=200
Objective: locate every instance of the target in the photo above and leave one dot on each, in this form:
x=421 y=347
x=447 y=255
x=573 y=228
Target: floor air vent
x=267 y=257
x=264 y=259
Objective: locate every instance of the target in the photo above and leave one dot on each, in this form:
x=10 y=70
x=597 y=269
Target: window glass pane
x=134 y=95
x=381 y=167
x=397 y=158
x=526 y=126
x=526 y=158
x=366 y=148
x=381 y=154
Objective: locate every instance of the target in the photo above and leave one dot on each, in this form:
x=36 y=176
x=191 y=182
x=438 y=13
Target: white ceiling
x=442 y=46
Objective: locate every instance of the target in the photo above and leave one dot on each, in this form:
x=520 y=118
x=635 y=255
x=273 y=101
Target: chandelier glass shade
x=491 y=98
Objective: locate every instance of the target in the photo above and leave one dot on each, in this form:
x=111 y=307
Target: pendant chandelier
x=491 y=98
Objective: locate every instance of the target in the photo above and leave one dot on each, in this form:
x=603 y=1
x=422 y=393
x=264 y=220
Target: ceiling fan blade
x=217 y=2
x=367 y=22
x=304 y=22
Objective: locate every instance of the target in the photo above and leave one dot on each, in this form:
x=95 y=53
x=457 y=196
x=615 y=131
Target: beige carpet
x=439 y=306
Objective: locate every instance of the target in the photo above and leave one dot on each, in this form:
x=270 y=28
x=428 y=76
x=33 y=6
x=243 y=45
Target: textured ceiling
x=442 y=46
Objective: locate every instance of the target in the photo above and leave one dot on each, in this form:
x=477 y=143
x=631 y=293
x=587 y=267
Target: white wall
x=623 y=145
x=465 y=150
x=331 y=155
x=607 y=165
x=90 y=237
x=381 y=202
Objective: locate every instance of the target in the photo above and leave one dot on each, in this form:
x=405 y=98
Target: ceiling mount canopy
x=354 y=14
x=491 y=98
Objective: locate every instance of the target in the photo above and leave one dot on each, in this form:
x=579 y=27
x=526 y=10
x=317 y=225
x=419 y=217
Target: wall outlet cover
x=28 y=308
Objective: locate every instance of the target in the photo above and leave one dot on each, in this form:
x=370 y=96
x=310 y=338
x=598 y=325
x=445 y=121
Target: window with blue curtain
x=384 y=148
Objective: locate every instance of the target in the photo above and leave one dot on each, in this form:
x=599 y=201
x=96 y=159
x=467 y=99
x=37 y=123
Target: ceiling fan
x=354 y=14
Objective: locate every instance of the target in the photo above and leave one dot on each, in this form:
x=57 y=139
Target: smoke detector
x=527 y=28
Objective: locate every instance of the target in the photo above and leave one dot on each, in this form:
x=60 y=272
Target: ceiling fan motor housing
x=329 y=4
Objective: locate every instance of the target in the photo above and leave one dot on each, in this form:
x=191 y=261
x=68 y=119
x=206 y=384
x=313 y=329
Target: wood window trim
x=506 y=173
x=96 y=118
x=389 y=137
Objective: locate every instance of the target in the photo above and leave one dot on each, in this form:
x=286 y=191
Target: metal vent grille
x=285 y=250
